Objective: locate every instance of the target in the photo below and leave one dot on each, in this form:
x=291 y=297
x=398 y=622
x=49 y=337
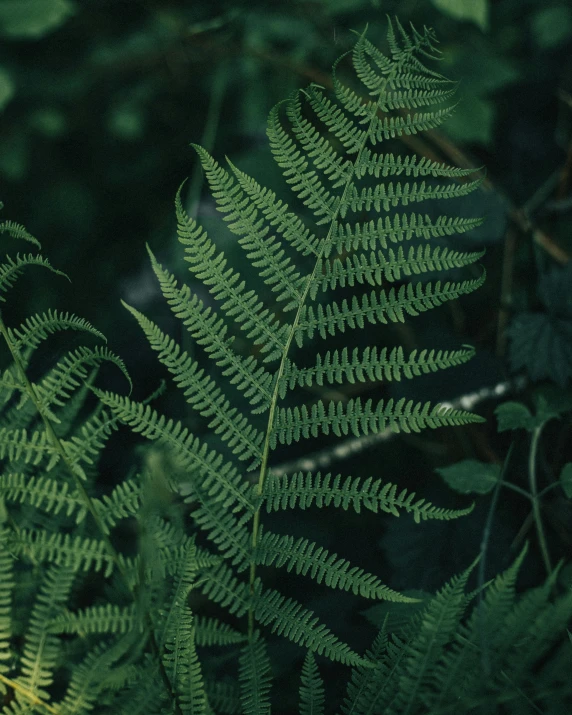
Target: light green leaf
x=6 y=88
x=476 y=11
x=514 y=415
x=471 y=476
x=33 y=18
x=566 y=479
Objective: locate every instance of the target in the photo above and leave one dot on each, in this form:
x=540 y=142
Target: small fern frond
x=210 y=331
x=312 y=695
x=209 y=265
x=109 y=618
x=367 y=364
x=13 y=267
x=255 y=677
x=203 y=395
x=37 y=328
x=290 y=619
x=16 y=230
x=304 y=490
x=361 y=419
x=306 y=557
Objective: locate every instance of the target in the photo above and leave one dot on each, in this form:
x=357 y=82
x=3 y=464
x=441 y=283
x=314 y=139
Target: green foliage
x=471 y=476
x=135 y=643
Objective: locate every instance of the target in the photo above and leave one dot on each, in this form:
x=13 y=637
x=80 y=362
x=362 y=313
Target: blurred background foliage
x=99 y=100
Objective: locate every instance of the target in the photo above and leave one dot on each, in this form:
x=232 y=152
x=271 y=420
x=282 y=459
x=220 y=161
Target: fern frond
x=366 y=687
x=312 y=694
x=16 y=444
x=306 y=557
x=16 y=230
x=304 y=490
x=180 y=655
x=70 y=372
x=210 y=332
x=212 y=632
x=304 y=182
x=37 y=328
x=383 y=164
x=361 y=419
x=13 y=267
x=373 y=269
x=110 y=618
x=202 y=393
x=226 y=286
x=255 y=677
x=93 y=675
x=403 y=227
x=41 y=649
x=324 y=156
x=263 y=251
x=285 y=222
x=379 y=307
x=221 y=586
x=73 y=552
x=221 y=479
x=89 y=440
x=436 y=627
x=392 y=194
x=42 y=492
x=122 y=503
x=290 y=619
x=367 y=364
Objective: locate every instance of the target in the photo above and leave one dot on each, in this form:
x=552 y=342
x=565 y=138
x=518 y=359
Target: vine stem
x=60 y=449
x=536 y=500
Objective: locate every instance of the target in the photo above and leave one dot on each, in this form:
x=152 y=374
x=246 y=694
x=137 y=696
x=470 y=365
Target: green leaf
x=471 y=476
x=476 y=11
x=33 y=18
x=566 y=479
x=514 y=415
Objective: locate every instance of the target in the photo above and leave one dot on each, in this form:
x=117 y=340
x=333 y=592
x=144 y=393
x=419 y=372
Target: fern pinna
x=329 y=152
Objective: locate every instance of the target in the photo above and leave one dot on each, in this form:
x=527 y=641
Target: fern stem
x=536 y=499
x=29 y=387
x=19 y=688
x=275 y=396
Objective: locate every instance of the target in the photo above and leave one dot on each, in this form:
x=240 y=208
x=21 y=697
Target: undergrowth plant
x=135 y=637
